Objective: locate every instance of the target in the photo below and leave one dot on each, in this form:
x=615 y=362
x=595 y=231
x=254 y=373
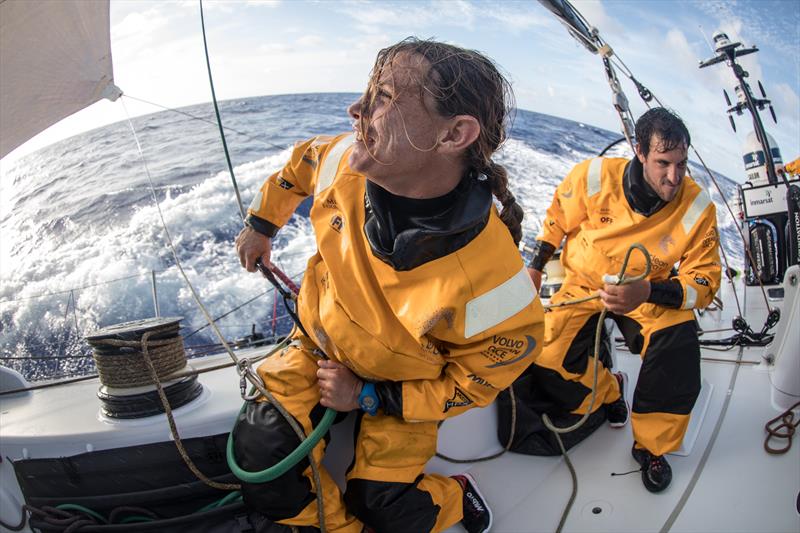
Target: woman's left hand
x=338 y=386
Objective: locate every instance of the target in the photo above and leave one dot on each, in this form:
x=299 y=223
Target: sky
x=261 y=47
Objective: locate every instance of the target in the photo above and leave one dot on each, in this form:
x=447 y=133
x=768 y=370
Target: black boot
x=656 y=472
x=477 y=515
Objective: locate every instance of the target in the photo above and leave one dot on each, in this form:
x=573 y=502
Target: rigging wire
x=66 y=291
x=219 y=119
x=223 y=315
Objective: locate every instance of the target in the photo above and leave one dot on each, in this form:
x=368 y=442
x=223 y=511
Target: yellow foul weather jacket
x=590 y=209
x=454 y=330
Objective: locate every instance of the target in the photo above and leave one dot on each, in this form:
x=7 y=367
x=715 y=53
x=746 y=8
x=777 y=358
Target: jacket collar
x=406 y=233
x=640 y=195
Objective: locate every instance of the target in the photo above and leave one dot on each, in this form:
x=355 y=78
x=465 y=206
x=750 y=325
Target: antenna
x=766 y=102
x=703 y=33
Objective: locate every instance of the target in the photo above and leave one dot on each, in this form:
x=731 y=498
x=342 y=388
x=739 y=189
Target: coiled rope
x=782 y=426
x=134 y=368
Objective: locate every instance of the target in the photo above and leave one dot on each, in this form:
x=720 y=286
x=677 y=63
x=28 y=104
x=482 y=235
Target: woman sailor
x=417 y=293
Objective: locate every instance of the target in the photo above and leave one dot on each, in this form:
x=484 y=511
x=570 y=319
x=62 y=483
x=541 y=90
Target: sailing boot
x=477 y=515
x=618 y=411
x=656 y=472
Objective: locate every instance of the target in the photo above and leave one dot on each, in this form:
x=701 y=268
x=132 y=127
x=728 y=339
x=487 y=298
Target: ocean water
x=82 y=238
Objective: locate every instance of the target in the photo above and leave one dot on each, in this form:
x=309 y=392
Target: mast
x=728 y=51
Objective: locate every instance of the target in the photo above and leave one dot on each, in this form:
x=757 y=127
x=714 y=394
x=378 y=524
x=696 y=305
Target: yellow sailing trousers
x=386 y=486
x=669 y=380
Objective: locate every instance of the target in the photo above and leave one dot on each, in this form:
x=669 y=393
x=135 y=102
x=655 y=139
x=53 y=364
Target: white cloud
x=596 y=15
x=274 y=48
x=141 y=25
x=516 y=18
x=680 y=50
x=376 y=18
x=310 y=40
x=221 y=6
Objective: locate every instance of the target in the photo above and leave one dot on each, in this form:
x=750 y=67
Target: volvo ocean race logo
x=503 y=347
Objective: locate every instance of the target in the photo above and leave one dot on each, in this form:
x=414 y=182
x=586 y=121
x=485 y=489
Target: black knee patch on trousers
x=389 y=507
x=576 y=360
x=531 y=436
x=631 y=332
x=262 y=438
x=558 y=396
x=669 y=381
x=555 y=394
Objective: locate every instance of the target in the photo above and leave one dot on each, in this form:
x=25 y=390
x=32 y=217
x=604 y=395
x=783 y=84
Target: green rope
x=233 y=497
x=82 y=509
x=229 y=499
x=277 y=470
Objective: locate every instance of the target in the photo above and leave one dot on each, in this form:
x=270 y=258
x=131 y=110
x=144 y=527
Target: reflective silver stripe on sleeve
x=593 y=177
x=255 y=205
x=691 y=296
x=331 y=163
x=692 y=215
x=498 y=304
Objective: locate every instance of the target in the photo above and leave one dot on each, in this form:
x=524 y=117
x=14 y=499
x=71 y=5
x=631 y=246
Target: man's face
x=664 y=170
x=395 y=129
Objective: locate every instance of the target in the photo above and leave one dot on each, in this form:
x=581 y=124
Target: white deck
x=727 y=483
x=739 y=487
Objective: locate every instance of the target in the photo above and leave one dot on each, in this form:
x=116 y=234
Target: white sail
x=55 y=59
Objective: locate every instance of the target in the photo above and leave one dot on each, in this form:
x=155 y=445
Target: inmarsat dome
x=755 y=159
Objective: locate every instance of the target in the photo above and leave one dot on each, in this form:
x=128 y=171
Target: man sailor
x=602 y=207
x=417 y=294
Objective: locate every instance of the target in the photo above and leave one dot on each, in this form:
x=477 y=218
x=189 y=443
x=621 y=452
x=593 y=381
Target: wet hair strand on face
x=461 y=82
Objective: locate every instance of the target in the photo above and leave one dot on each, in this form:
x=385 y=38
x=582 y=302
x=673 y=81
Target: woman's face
x=395 y=123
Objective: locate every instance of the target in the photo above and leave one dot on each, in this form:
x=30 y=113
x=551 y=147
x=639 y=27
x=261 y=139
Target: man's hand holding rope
x=622 y=299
